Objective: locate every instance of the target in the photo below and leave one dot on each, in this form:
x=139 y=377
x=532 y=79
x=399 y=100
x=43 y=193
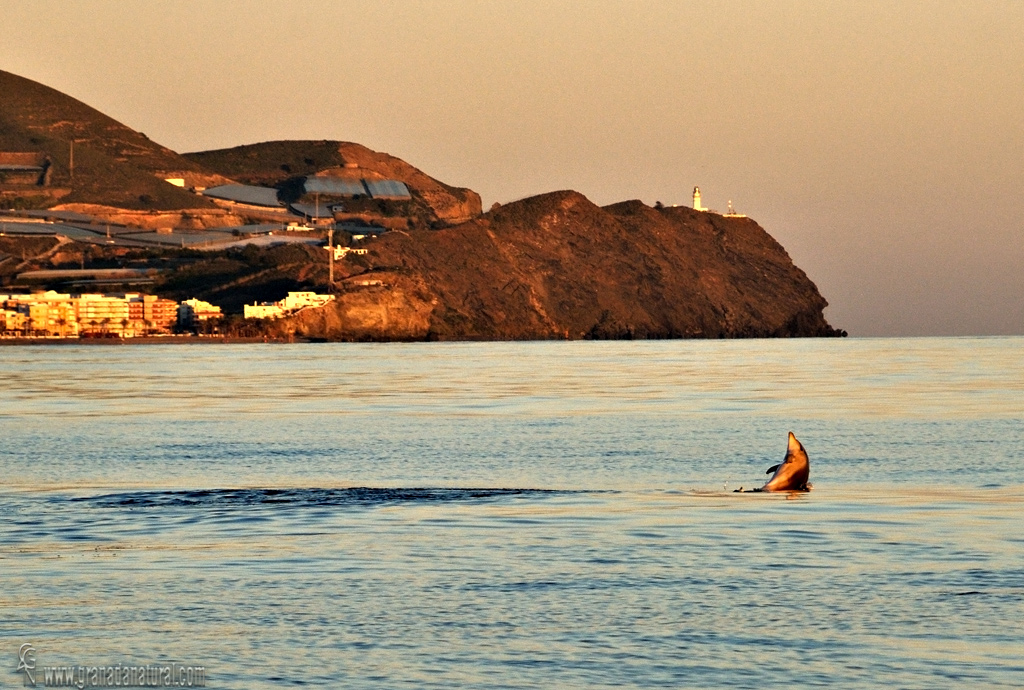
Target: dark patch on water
x=352 y=496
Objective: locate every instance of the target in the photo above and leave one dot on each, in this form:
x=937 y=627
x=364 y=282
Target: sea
x=513 y=515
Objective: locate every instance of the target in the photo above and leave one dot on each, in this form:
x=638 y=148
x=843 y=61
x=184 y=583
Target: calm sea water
x=517 y=515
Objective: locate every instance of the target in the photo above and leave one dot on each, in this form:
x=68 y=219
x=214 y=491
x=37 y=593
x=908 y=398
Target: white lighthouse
x=696 y=200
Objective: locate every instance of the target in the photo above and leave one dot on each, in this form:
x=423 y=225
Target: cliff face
x=558 y=266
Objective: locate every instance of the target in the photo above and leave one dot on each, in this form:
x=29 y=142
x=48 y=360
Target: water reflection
x=519 y=515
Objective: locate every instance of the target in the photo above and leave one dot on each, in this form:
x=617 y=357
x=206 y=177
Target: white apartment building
x=290 y=304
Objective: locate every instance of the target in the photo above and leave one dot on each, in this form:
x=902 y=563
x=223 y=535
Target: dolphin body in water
x=792 y=473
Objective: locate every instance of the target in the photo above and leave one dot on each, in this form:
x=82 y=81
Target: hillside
x=558 y=266
x=110 y=166
x=113 y=164
x=551 y=266
x=275 y=163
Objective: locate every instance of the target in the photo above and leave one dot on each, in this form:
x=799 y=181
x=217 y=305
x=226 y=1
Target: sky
x=881 y=143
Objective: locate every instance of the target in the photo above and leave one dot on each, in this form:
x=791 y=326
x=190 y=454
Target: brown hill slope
x=558 y=266
x=113 y=164
x=273 y=162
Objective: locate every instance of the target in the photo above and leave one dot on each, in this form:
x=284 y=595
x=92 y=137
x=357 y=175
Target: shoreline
x=146 y=340
x=286 y=340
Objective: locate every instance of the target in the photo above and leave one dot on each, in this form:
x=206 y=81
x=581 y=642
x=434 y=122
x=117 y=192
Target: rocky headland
x=430 y=264
x=558 y=266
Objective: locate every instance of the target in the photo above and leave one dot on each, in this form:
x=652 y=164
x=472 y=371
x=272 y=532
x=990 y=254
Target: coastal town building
x=12 y=321
x=266 y=310
x=161 y=313
x=103 y=315
x=193 y=311
x=44 y=313
x=294 y=302
x=300 y=300
x=696 y=200
x=341 y=252
x=60 y=315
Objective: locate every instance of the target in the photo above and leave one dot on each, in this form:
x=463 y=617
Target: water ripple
x=308 y=498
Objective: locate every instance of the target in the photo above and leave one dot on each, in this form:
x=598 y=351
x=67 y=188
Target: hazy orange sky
x=882 y=143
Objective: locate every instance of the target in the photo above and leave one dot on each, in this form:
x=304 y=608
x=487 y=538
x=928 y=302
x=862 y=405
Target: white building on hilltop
x=731 y=213
x=292 y=303
x=696 y=200
x=300 y=300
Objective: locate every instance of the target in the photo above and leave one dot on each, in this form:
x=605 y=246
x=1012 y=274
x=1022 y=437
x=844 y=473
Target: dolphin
x=792 y=473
